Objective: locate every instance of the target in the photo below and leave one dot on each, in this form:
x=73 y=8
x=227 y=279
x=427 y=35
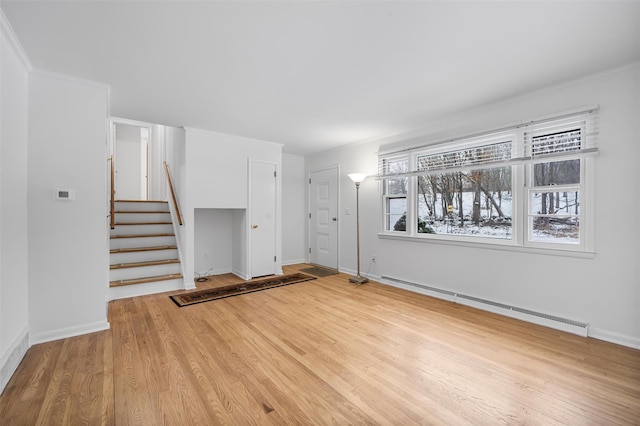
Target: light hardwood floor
x=321 y=352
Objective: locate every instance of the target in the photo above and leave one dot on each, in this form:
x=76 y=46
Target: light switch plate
x=65 y=194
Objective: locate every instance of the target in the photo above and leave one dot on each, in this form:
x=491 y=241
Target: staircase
x=143 y=252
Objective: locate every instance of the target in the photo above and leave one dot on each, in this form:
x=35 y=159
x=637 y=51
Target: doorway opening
x=131 y=160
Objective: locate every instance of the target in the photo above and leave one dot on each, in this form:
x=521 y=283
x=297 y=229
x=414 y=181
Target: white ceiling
x=317 y=74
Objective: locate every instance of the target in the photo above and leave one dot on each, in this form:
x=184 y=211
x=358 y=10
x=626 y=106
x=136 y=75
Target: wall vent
x=564 y=324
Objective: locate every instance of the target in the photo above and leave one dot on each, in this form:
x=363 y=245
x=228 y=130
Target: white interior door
x=262 y=212
x=323 y=219
x=131 y=165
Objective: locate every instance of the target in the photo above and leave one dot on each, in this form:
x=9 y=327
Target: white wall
x=216 y=178
x=128 y=161
x=176 y=159
x=156 y=176
x=294 y=185
x=213 y=241
x=14 y=264
x=602 y=291
x=68 y=240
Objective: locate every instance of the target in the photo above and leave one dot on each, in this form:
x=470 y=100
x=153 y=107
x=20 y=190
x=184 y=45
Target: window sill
x=490 y=246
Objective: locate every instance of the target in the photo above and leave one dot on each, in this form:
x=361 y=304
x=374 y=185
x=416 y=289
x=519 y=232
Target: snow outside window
x=395 y=193
x=554 y=211
x=473 y=199
x=521 y=186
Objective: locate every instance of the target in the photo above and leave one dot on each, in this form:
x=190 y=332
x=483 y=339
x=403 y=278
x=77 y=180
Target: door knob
x=334 y=219
x=254 y=226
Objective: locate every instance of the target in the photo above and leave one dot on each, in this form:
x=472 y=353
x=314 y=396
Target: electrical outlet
x=373 y=258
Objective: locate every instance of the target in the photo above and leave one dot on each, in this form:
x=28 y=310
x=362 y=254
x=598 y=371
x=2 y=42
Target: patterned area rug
x=200 y=296
x=319 y=271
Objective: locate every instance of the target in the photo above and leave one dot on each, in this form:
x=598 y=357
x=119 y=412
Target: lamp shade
x=357 y=177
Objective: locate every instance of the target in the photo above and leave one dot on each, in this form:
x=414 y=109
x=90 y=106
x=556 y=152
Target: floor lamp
x=357 y=178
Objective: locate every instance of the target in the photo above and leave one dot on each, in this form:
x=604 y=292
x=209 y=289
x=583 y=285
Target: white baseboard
x=240 y=274
x=617 y=338
x=354 y=273
x=63 y=333
x=122 y=292
x=218 y=271
x=293 y=262
x=585 y=330
x=10 y=360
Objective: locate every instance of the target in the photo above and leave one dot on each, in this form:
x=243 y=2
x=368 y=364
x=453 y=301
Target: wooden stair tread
x=141 y=264
x=142 y=211
x=141 y=201
x=138 y=249
x=145 y=280
x=143 y=223
x=142 y=235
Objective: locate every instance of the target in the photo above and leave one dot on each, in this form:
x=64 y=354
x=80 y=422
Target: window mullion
x=412 y=215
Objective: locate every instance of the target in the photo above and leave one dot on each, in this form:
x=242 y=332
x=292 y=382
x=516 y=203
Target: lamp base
x=358 y=279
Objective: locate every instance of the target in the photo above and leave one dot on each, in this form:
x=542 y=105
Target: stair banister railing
x=112 y=202
x=173 y=194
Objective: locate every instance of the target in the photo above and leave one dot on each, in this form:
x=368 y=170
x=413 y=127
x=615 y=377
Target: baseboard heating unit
x=558 y=323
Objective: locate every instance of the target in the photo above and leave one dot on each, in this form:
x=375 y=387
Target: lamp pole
x=357 y=178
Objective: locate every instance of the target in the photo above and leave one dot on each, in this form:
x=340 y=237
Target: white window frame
x=521 y=165
x=386 y=197
x=585 y=242
x=386 y=214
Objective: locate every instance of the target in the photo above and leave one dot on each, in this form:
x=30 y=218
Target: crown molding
x=12 y=39
x=70 y=79
x=229 y=135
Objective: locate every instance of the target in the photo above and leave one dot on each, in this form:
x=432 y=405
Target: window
x=475 y=200
x=395 y=193
x=553 y=195
x=523 y=186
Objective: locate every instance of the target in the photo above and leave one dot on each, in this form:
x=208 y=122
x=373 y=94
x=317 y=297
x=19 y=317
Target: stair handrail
x=173 y=194
x=112 y=201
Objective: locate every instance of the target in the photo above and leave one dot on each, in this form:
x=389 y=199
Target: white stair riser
x=146 y=288
x=144 y=271
x=156 y=207
x=142 y=217
x=142 y=256
x=142 y=229
x=117 y=243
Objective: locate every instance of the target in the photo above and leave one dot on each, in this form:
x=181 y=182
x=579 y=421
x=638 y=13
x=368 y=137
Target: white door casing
x=262 y=223
x=323 y=217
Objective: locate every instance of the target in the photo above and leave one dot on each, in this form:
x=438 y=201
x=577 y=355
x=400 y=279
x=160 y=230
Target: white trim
x=217 y=271
x=210 y=132
x=12 y=357
x=14 y=42
x=613 y=337
x=130 y=122
x=353 y=272
x=72 y=331
x=126 y=291
x=293 y=262
x=523 y=314
x=489 y=244
x=72 y=79
x=240 y=274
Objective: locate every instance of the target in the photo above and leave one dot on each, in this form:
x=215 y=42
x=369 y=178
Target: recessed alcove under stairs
x=143 y=253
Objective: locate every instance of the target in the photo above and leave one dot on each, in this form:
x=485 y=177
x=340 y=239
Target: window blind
x=570 y=135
